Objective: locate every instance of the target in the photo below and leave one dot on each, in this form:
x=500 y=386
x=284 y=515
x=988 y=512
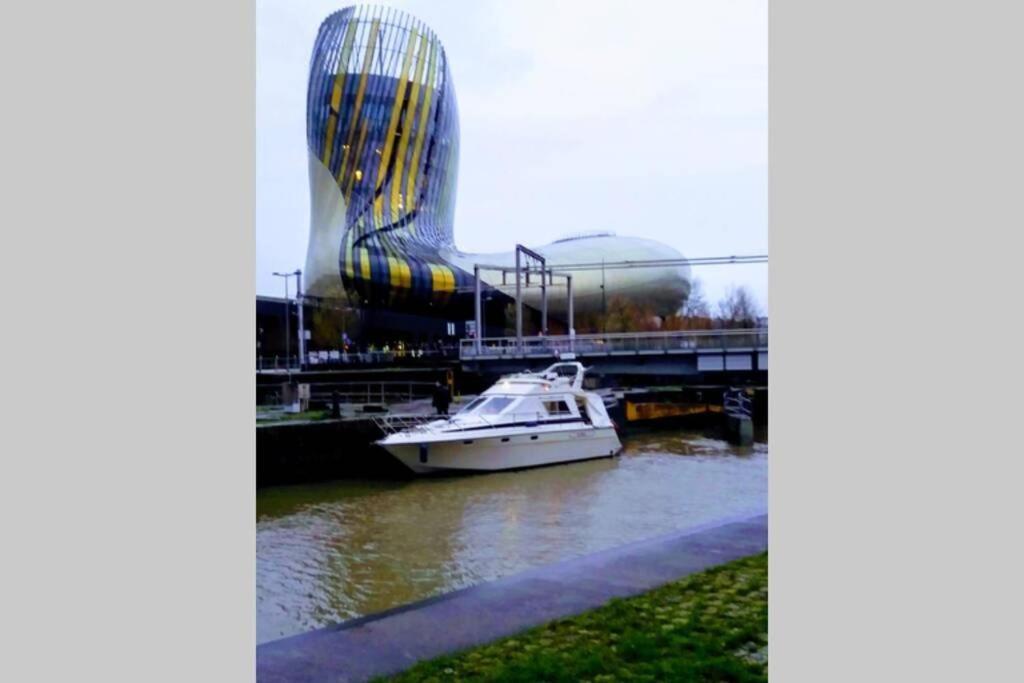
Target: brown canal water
x=330 y=552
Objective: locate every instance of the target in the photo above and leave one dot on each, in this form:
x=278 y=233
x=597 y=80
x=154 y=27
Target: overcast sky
x=644 y=118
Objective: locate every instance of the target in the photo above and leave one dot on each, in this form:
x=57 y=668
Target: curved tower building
x=383 y=138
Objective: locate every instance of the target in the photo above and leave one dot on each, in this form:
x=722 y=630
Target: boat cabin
x=553 y=395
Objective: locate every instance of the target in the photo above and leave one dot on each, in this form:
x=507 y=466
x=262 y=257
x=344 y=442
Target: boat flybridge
x=524 y=420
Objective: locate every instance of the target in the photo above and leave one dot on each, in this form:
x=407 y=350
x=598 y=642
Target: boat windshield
x=473 y=405
x=495 y=405
x=568 y=371
x=487 y=405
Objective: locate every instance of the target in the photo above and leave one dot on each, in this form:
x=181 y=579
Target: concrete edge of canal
x=394 y=640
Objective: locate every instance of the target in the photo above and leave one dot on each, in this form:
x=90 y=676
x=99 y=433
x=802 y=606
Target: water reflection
x=331 y=552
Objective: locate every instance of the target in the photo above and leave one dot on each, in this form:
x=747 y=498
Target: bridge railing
x=320 y=360
x=385 y=392
x=617 y=343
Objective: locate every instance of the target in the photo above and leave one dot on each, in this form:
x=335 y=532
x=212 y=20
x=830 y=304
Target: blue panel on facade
x=707 y=363
x=739 y=362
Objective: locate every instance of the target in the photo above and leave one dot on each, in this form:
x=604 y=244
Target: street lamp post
x=302 y=328
x=287 y=322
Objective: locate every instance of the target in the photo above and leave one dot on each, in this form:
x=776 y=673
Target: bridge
x=683 y=352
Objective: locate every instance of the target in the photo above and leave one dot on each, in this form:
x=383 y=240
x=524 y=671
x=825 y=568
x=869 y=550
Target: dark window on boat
x=566 y=371
x=559 y=408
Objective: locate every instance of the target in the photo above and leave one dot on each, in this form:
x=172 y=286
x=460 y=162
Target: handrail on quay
x=617 y=343
x=370 y=391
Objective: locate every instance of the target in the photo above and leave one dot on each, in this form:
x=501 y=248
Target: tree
x=629 y=315
x=587 y=323
x=738 y=308
x=695 y=306
x=694 y=314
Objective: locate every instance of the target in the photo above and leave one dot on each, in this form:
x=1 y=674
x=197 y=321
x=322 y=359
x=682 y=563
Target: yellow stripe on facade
x=406 y=273
x=364 y=262
x=338 y=90
x=398 y=203
x=435 y=277
x=371 y=43
x=357 y=174
x=396 y=275
x=332 y=121
x=442 y=278
x=414 y=168
x=389 y=139
x=342 y=71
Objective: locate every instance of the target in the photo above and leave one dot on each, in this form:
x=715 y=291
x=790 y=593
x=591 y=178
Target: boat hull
x=493 y=453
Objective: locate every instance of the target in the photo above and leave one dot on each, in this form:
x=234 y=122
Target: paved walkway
x=394 y=640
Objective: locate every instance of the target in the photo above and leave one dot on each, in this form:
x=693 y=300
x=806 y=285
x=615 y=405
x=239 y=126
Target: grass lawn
x=711 y=626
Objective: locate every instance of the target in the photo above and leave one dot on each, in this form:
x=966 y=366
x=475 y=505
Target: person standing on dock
x=442 y=398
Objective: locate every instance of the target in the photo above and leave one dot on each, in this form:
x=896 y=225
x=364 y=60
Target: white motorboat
x=524 y=420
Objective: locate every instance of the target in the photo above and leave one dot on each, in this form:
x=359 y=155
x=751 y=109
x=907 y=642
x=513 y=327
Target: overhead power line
x=645 y=263
x=619 y=265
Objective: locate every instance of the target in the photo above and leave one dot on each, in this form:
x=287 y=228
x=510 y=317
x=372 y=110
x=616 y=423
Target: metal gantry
x=525 y=256
x=522 y=274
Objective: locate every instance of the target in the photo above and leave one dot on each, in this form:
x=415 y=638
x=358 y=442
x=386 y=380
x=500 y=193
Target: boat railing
x=392 y=424
x=529 y=419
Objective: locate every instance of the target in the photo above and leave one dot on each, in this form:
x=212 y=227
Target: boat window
x=496 y=405
x=473 y=405
x=559 y=408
